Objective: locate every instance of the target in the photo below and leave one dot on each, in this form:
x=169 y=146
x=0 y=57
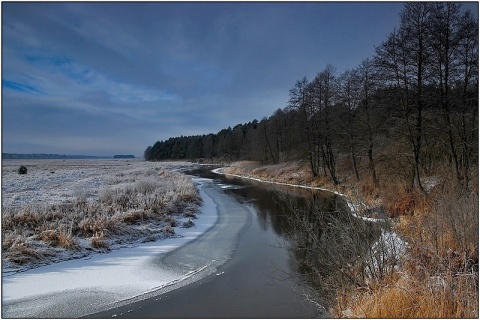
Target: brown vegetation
x=398 y=135
x=438 y=277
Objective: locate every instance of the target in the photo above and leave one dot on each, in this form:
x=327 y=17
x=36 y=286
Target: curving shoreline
x=84 y=286
x=354 y=208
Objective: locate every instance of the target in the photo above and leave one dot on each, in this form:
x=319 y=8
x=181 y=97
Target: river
x=261 y=279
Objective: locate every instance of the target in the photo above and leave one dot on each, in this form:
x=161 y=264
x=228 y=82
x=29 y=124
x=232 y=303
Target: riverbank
x=261 y=279
x=358 y=209
x=79 y=287
x=64 y=209
x=437 y=277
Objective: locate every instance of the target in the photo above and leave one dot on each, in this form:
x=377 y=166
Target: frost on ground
x=63 y=209
x=99 y=282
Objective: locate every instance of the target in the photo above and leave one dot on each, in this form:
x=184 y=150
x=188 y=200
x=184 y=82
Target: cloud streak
x=106 y=78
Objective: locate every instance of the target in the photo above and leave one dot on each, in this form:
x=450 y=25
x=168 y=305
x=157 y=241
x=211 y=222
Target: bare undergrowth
x=438 y=275
x=128 y=202
x=290 y=172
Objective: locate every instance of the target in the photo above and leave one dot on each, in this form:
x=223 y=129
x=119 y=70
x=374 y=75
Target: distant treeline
x=47 y=156
x=123 y=156
x=408 y=111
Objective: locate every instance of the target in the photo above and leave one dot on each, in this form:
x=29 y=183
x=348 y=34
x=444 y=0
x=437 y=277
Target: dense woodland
x=407 y=111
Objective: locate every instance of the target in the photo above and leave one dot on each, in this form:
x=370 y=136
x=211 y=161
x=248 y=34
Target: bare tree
x=402 y=60
x=326 y=89
x=366 y=75
x=301 y=100
x=444 y=36
x=349 y=101
x=468 y=92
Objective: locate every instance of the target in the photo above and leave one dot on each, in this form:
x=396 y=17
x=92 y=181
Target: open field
x=62 y=209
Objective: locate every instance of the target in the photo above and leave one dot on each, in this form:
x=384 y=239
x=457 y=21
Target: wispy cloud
x=130 y=73
x=6 y=84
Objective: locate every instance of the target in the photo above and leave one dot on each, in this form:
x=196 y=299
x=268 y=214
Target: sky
x=106 y=78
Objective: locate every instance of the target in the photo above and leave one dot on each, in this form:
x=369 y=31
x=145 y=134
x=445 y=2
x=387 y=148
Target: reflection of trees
x=270 y=209
x=274 y=202
x=331 y=245
x=334 y=249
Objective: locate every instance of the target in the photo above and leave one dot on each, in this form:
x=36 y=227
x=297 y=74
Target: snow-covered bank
x=70 y=209
x=103 y=270
x=83 y=286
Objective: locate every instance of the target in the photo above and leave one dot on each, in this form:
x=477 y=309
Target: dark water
x=261 y=280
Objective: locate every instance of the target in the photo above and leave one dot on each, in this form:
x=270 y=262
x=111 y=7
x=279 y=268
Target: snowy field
x=54 y=181
x=100 y=281
x=69 y=209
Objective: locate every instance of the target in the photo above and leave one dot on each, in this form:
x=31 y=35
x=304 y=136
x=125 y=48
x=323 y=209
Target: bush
x=168 y=230
x=188 y=224
x=22 y=170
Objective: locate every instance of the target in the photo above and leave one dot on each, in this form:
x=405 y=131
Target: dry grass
x=62 y=238
x=98 y=241
x=289 y=172
x=439 y=276
x=132 y=204
x=436 y=297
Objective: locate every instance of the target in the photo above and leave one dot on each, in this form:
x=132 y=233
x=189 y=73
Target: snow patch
x=119 y=275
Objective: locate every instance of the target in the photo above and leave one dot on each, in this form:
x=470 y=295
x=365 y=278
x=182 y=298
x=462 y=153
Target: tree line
x=47 y=156
x=407 y=111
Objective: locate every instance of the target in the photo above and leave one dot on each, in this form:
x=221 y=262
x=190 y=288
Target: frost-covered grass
x=65 y=209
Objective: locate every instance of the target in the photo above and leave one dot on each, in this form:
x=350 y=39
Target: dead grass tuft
x=134 y=216
x=22 y=253
x=168 y=230
x=98 y=241
x=401 y=204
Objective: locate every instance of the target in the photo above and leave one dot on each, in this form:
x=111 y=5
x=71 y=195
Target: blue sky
x=105 y=78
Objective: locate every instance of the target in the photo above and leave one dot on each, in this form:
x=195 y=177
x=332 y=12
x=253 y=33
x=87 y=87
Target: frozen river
x=78 y=287
x=232 y=264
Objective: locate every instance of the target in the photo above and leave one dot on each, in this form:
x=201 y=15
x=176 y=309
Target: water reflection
x=327 y=245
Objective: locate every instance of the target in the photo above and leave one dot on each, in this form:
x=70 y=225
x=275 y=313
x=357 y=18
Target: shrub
x=168 y=230
x=22 y=170
x=171 y=221
x=188 y=224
